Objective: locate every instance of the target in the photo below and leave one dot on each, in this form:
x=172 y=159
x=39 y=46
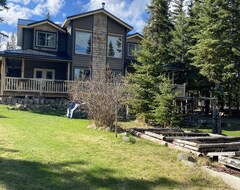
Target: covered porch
x=34 y=76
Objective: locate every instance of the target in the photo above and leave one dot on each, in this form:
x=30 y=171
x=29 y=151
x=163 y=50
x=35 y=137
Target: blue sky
x=131 y=11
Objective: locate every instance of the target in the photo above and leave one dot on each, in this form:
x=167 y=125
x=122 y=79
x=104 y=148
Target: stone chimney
x=103 y=5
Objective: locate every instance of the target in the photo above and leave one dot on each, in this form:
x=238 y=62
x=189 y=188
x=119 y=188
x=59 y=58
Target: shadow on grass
x=59 y=113
x=8 y=150
x=20 y=174
x=1 y=116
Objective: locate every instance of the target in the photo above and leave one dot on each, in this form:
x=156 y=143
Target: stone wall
x=33 y=101
x=99 y=41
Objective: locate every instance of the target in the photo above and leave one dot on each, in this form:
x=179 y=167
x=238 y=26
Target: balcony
x=11 y=86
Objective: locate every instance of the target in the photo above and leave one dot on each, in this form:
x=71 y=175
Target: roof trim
x=32 y=56
x=67 y=21
x=44 y=22
x=135 y=35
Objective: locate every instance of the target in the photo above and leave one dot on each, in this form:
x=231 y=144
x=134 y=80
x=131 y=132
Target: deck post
x=3 y=74
x=23 y=67
x=68 y=72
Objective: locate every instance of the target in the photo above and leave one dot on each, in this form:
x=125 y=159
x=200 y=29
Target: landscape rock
x=185 y=157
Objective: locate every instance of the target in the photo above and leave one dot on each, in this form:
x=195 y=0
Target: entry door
x=44 y=74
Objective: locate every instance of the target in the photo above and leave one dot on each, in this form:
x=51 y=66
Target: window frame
x=116 y=36
x=44 y=73
x=45 y=46
x=75 y=43
x=82 y=69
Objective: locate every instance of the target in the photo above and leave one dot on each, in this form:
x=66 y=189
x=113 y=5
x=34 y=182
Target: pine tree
x=111 y=52
x=154 y=57
x=12 y=44
x=164 y=112
x=89 y=47
x=48 y=17
x=216 y=51
x=8 y=46
x=179 y=44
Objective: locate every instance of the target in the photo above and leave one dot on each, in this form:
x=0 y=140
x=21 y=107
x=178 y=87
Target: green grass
x=52 y=152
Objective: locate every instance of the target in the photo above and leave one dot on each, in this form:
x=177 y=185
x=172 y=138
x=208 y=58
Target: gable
x=69 y=19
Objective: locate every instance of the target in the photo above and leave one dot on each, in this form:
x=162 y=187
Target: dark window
x=46 y=39
x=132 y=48
x=39 y=74
x=49 y=75
x=83 y=43
x=114 y=47
x=82 y=73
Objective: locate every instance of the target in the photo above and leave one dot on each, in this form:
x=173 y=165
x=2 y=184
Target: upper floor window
x=114 y=47
x=132 y=48
x=46 y=39
x=83 y=43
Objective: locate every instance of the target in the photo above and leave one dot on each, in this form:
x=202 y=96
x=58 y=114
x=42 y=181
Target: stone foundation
x=33 y=101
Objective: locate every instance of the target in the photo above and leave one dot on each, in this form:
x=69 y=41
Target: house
x=52 y=56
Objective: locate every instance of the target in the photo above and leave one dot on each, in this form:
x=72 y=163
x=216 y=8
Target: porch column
x=23 y=68
x=68 y=71
x=3 y=74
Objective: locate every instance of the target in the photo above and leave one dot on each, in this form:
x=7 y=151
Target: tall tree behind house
x=148 y=80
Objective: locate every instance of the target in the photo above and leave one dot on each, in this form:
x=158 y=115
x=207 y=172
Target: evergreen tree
x=154 y=57
x=216 y=51
x=111 y=52
x=12 y=44
x=48 y=17
x=8 y=46
x=198 y=84
x=164 y=108
x=89 y=47
x=179 y=44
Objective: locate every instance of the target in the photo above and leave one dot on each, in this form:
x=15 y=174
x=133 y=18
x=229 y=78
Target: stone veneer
x=99 y=42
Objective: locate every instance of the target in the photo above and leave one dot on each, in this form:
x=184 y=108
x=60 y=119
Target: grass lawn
x=52 y=152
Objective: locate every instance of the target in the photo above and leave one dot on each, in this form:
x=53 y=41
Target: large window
x=46 y=39
x=132 y=48
x=83 y=43
x=114 y=47
x=82 y=73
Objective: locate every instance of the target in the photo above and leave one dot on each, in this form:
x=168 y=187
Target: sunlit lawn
x=52 y=152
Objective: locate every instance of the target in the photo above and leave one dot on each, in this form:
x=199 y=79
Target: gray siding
x=27 y=38
x=116 y=64
x=69 y=41
x=62 y=42
x=117 y=29
x=85 y=23
x=59 y=67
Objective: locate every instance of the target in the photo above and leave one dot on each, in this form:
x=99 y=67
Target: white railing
x=35 y=85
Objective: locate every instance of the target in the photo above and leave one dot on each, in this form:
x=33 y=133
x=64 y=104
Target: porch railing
x=35 y=85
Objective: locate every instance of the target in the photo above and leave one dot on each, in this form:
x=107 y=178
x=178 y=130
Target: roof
x=135 y=35
x=29 y=53
x=25 y=22
x=32 y=23
x=102 y=10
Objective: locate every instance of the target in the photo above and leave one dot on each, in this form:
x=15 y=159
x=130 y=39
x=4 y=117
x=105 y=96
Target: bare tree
x=103 y=96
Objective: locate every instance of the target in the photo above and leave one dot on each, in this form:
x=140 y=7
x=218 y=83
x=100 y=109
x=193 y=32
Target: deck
x=11 y=86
